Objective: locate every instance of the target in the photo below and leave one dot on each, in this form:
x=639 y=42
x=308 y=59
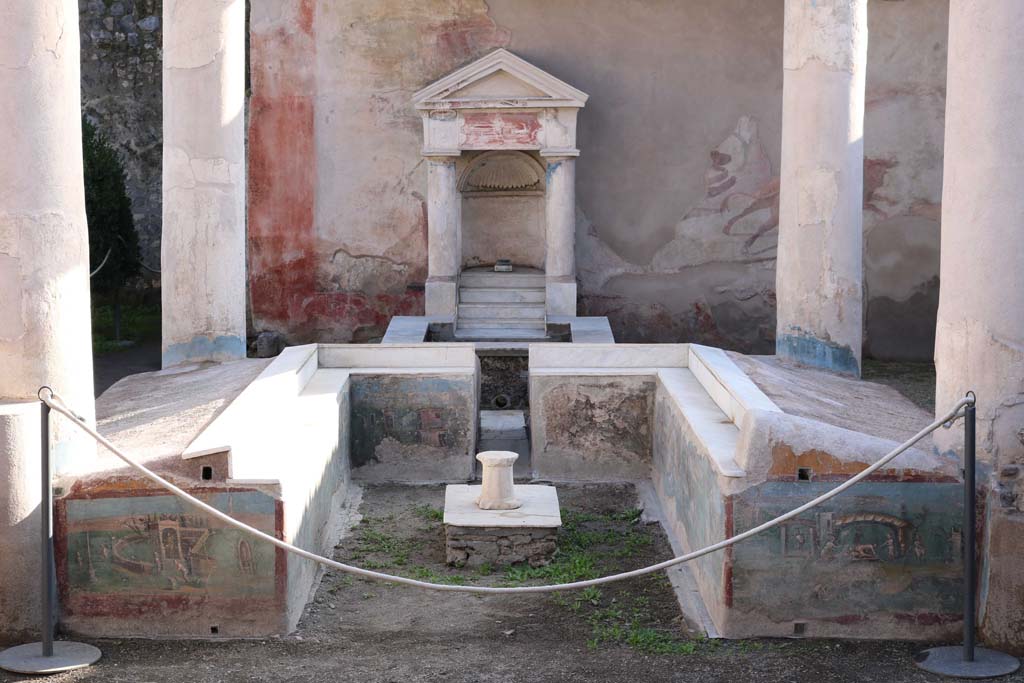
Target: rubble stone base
x=476 y=546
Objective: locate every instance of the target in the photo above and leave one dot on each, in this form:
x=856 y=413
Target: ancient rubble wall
x=121 y=80
x=677 y=185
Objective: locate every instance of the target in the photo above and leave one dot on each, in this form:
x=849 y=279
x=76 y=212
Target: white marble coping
x=539 y=509
x=433 y=355
x=728 y=385
x=592 y=372
x=296 y=428
x=712 y=427
x=597 y=356
x=448 y=370
x=282 y=380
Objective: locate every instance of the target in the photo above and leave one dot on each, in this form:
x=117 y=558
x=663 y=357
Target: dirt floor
x=357 y=630
x=109 y=367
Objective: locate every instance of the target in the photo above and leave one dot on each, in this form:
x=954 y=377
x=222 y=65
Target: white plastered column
x=560 y=215
x=203 y=242
x=819 y=282
x=444 y=237
x=979 y=341
x=45 y=330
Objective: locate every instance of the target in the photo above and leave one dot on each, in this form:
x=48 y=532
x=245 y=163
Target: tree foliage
x=109 y=213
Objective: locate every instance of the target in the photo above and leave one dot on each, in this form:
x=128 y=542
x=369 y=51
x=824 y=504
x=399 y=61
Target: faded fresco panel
x=677 y=182
x=412 y=428
x=592 y=428
x=128 y=556
x=887 y=552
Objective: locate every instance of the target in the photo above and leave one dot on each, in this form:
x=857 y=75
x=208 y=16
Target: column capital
x=441 y=156
x=555 y=155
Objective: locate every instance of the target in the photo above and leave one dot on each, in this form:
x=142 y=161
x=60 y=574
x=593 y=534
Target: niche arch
x=502 y=194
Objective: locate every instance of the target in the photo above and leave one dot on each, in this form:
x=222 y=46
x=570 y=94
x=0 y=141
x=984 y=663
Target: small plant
x=429 y=513
x=113 y=242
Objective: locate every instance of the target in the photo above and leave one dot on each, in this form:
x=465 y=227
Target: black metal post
x=970 y=509
x=46 y=525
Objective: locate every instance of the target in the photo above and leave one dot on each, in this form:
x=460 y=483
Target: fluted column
x=560 y=215
x=203 y=243
x=45 y=331
x=819 y=282
x=444 y=237
x=979 y=341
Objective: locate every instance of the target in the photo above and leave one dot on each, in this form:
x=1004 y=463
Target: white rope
x=56 y=403
x=102 y=263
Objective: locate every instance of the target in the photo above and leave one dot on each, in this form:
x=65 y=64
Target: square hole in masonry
x=475 y=537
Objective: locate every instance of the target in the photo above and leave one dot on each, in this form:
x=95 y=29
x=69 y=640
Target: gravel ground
x=356 y=630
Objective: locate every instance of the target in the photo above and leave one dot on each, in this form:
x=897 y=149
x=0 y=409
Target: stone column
x=444 y=237
x=979 y=341
x=560 y=214
x=819 y=275
x=45 y=331
x=203 y=244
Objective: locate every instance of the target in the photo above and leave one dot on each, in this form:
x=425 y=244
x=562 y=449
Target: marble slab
x=539 y=510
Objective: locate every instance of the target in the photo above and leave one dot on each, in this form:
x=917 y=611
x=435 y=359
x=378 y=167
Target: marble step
x=502 y=424
x=502 y=295
x=502 y=333
x=492 y=280
x=521 y=469
x=501 y=312
x=499 y=323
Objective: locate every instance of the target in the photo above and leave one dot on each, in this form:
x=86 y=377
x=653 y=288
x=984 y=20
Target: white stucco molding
x=499 y=102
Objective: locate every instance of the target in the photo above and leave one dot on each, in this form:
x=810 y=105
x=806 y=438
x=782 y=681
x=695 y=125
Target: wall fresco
x=412 y=428
x=118 y=555
x=592 y=427
x=677 y=187
x=889 y=549
x=500 y=130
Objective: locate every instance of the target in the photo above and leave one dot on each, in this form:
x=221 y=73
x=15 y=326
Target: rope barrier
x=57 y=404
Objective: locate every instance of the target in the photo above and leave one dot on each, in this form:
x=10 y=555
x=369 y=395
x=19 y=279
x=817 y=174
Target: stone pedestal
x=819 y=283
x=444 y=237
x=979 y=339
x=497 y=490
x=203 y=244
x=475 y=537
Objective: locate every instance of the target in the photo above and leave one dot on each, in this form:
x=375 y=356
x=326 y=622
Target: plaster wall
x=677 y=183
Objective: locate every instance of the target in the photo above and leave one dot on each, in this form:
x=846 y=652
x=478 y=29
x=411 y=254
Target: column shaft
x=203 y=244
x=979 y=342
x=45 y=331
x=819 y=280
x=560 y=215
x=444 y=237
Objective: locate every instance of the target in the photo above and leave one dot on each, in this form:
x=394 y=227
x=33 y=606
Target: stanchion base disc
x=67 y=655
x=949 y=661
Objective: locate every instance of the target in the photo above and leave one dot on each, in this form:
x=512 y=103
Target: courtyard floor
x=356 y=630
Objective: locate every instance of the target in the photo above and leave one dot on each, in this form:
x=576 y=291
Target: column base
x=560 y=297
x=818 y=353
x=441 y=297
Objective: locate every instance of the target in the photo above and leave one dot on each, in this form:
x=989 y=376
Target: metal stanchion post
x=47 y=656
x=968 y=661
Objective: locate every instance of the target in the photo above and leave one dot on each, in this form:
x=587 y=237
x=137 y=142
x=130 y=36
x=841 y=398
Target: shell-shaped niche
x=503 y=172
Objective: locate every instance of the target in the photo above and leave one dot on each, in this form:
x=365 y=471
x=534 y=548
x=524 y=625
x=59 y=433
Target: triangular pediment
x=500 y=80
